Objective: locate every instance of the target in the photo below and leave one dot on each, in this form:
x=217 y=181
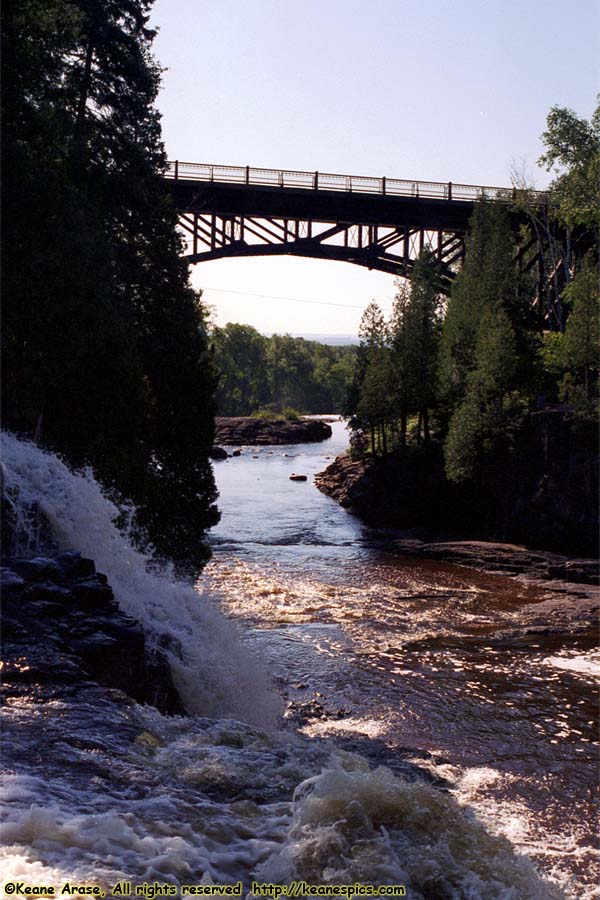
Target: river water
x=383 y=663
x=494 y=678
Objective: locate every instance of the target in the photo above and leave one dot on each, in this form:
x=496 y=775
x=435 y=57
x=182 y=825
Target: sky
x=451 y=90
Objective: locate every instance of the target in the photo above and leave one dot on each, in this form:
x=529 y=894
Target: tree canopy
x=104 y=345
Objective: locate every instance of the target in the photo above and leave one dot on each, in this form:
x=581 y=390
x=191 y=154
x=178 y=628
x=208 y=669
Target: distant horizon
x=319 y=337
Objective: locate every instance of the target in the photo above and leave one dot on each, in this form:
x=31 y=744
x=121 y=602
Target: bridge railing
x=327 y=181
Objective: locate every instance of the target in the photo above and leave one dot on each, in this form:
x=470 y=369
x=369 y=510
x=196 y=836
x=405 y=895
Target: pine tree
x=487 y=279
x=422 y=328
x=373 y=403
x=579 y=349
x=486 y=343
x=105 y=346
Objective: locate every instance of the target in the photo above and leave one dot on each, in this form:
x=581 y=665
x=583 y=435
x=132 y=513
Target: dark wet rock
x=62 y=626
x=218 y=453
x=92 y=593
x=237 y=453
x=74 y=565
x=539 y=489
x=506 y=559
x=35 y=569
x=301 y=712
x=236 y=430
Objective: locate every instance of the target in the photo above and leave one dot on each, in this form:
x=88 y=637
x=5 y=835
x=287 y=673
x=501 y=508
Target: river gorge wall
x=539 y=488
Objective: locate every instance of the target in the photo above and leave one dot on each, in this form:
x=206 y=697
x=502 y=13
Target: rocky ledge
x=231 y=431
x=63 y=629
x=384 y=495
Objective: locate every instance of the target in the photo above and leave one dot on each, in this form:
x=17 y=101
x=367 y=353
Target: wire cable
x=289 y=299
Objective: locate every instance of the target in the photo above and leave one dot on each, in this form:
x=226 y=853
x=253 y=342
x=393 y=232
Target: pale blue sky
x=439 y=90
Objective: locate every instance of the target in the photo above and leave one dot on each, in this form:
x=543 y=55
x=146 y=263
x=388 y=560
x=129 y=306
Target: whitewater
x=98 y=789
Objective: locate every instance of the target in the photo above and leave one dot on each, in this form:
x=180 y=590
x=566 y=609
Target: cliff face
x=540 y=488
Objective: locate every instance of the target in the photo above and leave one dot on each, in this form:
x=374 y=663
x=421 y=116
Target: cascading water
x=213 y=673
x=98 y=789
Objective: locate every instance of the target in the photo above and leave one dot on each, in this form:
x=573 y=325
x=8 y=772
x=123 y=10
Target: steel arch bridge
x=378 y=223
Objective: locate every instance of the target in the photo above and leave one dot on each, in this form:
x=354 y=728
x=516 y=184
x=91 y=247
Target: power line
x=289 y=299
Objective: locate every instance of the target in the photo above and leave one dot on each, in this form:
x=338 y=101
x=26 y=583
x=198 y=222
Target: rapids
x=97 y=789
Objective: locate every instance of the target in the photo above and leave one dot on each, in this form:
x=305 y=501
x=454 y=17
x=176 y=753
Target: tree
x=420 y=336
x=488 y=279
x=105 y=347
x=240 y=355
x=479 y=417
x=486 y=344
x=371 y=393
x=573 y=153
x=579 y=349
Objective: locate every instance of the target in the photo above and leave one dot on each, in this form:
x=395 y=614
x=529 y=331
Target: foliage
x=580 y=347
x=397 y=360
x=105 y=347
x=269 y=415
x=279 y=372
x=573 y=153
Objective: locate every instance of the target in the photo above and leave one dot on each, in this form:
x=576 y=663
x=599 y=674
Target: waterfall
x=213 y=673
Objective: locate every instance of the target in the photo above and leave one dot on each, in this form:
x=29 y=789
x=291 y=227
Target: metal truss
x=386 y=248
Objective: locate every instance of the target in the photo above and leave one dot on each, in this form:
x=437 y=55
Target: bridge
x=380 y=223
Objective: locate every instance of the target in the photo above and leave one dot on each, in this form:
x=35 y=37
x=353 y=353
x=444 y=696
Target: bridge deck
x=327 y=181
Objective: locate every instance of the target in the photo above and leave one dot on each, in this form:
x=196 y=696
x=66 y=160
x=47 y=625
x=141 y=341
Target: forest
x=459 y=370
x=271 y=374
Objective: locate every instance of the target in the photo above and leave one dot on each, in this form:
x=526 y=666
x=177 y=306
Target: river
x=395 y=673
x=494 y=679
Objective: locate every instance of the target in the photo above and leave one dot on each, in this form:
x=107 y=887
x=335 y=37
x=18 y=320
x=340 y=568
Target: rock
x=73 y=565
x=237 y=453
x=91 y=593
x=218 y=453
x=248 y=430
x=294 y=477
x=62 y=627
x=35 y=569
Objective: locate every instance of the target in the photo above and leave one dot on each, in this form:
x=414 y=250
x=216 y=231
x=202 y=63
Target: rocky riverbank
x=232 y=431
x=540 y=491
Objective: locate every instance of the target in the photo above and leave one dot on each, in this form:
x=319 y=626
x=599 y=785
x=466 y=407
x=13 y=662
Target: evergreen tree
x=486 y=345
x=401 y=391
x=374 y=389
x=488 y=279
x=421 y=334
x=105 y=347
x=579 y=348
x=479 y=417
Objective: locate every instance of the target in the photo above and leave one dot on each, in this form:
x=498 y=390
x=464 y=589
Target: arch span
x=377 y=223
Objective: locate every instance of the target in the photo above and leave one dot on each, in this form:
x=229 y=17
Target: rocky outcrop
x=236 y=430
x=62 y=628
x=506 y=559
x=539 y=489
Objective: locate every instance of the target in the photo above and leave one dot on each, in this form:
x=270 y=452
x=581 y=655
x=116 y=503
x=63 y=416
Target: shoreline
x=353 y=484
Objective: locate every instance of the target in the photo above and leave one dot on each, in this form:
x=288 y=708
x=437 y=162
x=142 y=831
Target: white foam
x=214 y=674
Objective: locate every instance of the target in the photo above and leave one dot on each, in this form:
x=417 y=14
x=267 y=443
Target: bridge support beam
x=385 y=248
